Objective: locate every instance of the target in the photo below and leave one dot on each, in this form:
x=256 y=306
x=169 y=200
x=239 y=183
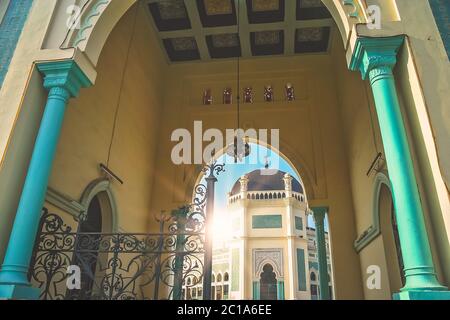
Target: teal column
x=319 y=219
x=280 y=290
x=256 y=290
x=375 y=59
x=63 y=79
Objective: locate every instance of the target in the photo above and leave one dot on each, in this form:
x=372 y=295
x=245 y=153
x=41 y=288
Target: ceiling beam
x=197 y=29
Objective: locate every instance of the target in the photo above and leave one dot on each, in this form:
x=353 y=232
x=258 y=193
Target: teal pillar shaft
x=256 y=290
x=20 y=247
x=280 y=290
x=418 y=263
x=319 y=218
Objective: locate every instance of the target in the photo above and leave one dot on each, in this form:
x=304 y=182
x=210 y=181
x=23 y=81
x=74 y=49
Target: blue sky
x=234 y=171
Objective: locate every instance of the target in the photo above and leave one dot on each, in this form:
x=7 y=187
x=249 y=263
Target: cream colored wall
x=88 y=126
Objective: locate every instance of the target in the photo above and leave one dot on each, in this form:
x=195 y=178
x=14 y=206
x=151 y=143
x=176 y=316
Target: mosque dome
x=257 y=181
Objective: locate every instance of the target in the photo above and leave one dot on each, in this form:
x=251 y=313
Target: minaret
x=288 y=185
x=244 y=184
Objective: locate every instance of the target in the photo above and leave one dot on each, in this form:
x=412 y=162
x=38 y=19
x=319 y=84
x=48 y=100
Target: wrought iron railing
x=119 y=266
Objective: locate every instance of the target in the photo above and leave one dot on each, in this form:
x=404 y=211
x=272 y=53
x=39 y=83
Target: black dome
x=264 y=182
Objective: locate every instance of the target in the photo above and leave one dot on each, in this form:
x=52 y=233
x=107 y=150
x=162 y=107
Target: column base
x=18 y=292
x=422 y=295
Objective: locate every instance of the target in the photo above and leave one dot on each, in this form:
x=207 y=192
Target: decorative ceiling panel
x=310 y=40
x=265 y=5
x=311 y=4
x=267 y=42
x=267 y=37
x=265 y=11
x=170 y=15
x=182 y=44
x=208 y=29
x=226 y=45
x=226 y=40
x=309 y=34
x=182 y=49
x=217 y=7
x=216 y=13
x=172 y=9
x=311 y=10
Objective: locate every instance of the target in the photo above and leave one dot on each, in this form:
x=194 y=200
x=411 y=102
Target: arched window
x=268 y=283
x=226 y=277
x=213 y=279
x=314 y=291
x=313 y=276
x=388 y=226
x=87 y=246
x=219 y=277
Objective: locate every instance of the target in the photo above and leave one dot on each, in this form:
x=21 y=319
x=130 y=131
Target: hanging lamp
x=240 y=148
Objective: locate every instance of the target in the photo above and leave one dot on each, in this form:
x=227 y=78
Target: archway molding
x=374 y=230
x=102 y=189
x=294 y=160
x=99 y=17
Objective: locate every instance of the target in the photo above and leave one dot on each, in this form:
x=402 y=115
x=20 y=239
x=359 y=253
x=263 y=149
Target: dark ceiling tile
x=265 y=11
x=216 y=13
x=267 y=42
x=309 y=40
x=182 y=49
x=224 y=45
x=311 y=9
x=170 y=15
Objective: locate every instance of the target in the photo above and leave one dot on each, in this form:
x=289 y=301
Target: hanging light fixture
x=240 y=148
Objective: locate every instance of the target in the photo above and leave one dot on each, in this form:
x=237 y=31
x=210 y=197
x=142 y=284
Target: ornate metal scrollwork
x=121 y=266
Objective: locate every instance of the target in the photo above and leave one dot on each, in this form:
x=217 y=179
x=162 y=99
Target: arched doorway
x=391 y=240
x=86 y=253
x=268 y=283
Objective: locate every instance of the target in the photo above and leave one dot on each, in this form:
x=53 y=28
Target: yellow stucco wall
x=88 y=126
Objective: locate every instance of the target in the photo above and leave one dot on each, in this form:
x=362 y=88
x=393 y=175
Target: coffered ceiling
x=191 y=30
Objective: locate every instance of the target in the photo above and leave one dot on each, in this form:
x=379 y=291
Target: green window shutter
x=267 y=222
x=301 y=272
x=298 y=223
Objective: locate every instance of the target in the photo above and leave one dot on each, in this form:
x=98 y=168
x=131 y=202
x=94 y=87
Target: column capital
x=319 y=213
x=375 y=56
x=63 y=74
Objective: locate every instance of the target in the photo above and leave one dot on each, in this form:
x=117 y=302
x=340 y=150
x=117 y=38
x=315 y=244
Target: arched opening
x=86 y=253
x=312 y=151
x=391 y=241
x=268 y=283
